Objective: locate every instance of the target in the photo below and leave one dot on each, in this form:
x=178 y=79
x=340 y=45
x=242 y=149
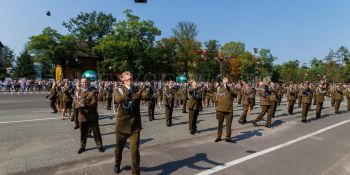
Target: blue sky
x=292 y=29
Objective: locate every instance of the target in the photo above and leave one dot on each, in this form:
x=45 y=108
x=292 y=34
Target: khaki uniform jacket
x=245 y=95
x=128 y=117
x=169 y=96
x=273 y=95
x=195 y=99
x=224 y=99
x=291 y=94
x=183 y=93
x=53 y=94
x=307 y=95
x=338 y=94
x=89 y=111
x=320 y=94
x=67 y=95
x=264 y=97
x=347 y=93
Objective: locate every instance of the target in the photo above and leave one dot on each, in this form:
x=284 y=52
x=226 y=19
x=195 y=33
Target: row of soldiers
x=193 y=96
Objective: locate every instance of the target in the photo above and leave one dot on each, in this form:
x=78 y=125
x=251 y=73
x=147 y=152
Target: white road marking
x=22 y=121
x=274 y=148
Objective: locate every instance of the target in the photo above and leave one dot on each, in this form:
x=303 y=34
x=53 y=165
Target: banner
x=58 y=73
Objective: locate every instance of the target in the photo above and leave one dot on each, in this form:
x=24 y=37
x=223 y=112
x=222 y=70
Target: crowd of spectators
x=25 y=85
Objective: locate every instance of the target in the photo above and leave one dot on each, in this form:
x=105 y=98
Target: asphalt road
x=34 y=141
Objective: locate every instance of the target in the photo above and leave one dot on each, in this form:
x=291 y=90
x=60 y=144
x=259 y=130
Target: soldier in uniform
x=152 y=91
x=239 y=95
x=245 y=92
x=128 y=120
x=75 y=105
x=347 y=94
x=67 y=92
x=53 y=98
x=300 y=94
x=331 y=93
x=88 y=116
x=169 y=99
x=273 y=97
x=224 y=108
x=291 y=97
x=184 y=96
x=159 y=94
x=194 y=94
x=210 y=93
x=109 y=90
x=320 y=93
x=265 y=105
x=306 y=101
x=338 y=97
x=251 y=97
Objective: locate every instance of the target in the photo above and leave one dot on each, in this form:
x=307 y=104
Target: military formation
x=79 y=101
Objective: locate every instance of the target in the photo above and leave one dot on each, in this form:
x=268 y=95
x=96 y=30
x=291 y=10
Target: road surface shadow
x=247 y=135
x=171 y=167
x=277 y=123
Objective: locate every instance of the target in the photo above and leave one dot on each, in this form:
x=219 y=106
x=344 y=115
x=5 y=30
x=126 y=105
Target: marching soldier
x=291 y=97
x=128 y=120
x=338 y=97
x=159 y=94
x=210 y=93
x=53 y=98
x=109 y=90
x=347 y=94
x=239 y=95
x=224 y=108
x=75 y=105
x=251 y=97
x=169 y=99
x=265 y=105
x=67 y=92
x=152 y=100
x=245 y=92
x=320 y=93
x=300 y=95
x=273 y=97
x=88 y=116
x=183 y=95
x=332 y=92
x=306 y=101
x=195 y=99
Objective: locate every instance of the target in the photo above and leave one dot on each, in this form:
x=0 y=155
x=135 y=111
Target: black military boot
x=116 y=169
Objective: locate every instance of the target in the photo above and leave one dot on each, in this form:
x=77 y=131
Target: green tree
x=288 y=71
x=230 y=53
x=130 y=46
x=89 y=28
x=8 y=58
x=188 y=47
x=25 y=66
x=166 y=56
x=232 y=50
x=50 y=47
x=210 y=66
x=265 y=62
